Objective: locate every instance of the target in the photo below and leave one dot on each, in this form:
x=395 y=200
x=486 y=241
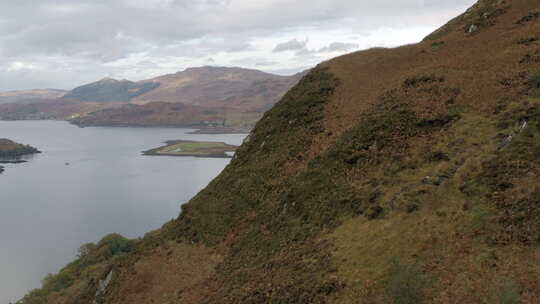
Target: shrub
x=57 y=282
x=117 y=243
x=534 y=85
x=508 y=294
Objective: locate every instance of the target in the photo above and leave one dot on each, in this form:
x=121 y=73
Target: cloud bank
x=62 y=44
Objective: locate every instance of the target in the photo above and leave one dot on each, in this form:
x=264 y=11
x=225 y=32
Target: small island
x=194 y=149
x=11 y=152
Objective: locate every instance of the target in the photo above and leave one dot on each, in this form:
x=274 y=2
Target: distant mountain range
x=219 y=86
x=204 y=97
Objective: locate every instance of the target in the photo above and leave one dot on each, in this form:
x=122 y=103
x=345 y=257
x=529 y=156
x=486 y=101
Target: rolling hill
x=250 y=90
x=110 y=90
x=220 y=86
x=47 y=109
x=207 y=97
x=30 y=96
x=229 y=99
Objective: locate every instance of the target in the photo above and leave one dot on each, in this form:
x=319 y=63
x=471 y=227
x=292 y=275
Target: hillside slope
x=155 y=114
x=220 y=86
x=250 y=90
x=46 y=109
x=110 y=90
x=29 y=96
x=407 y=175
x=217 y=99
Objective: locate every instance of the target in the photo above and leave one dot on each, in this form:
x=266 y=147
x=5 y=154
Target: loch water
x=87 y=183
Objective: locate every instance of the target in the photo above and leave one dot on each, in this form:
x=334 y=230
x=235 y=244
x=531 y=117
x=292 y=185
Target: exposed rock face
x=473 y=28
x=102 y=288
x=481 y=15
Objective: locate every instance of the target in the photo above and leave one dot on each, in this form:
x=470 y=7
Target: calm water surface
x=87 y=183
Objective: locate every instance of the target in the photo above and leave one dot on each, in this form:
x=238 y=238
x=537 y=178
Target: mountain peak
x=108 y=79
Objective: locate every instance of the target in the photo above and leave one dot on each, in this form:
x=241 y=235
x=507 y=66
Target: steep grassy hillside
x=407 y=175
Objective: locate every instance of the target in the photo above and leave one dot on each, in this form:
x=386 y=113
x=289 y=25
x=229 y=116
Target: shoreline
x=155 y=153
x=196 y=129
x=201 y=130
x=20 y=161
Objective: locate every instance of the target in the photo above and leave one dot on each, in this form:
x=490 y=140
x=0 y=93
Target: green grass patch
x=193 y=148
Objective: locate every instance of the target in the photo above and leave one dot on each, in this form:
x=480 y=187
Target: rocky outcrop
x=102 y=288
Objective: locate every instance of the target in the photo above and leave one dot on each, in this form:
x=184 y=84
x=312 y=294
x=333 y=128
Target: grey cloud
x=338 y=47
x=146 y=65
x=265 y=63
x=77 y=23
x=59 y=73
x=240 y=48
x=292 y=45
x=103 y=31
x=305 y=52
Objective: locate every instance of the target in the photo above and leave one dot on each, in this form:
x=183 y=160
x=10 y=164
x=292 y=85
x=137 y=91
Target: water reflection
x=16 y=159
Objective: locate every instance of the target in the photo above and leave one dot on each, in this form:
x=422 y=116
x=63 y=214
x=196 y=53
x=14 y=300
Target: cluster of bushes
x=81 y=270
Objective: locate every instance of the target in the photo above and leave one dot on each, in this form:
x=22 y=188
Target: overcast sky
x=66 y=43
